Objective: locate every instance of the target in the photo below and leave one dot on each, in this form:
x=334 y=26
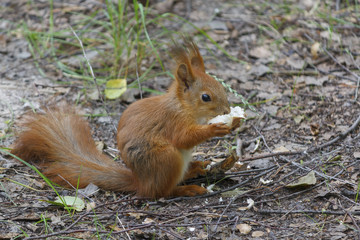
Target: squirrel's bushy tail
x=60 y=144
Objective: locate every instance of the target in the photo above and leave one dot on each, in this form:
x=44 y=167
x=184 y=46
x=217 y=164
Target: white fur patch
x=187 y=157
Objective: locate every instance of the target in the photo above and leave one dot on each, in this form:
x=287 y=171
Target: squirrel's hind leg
x=196 y=168
x=160 y=176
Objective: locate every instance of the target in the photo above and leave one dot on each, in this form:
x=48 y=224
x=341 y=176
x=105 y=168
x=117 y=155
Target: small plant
x=233 y=91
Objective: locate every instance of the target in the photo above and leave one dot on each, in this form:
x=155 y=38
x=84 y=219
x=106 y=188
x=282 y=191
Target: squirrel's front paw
x=219 y=129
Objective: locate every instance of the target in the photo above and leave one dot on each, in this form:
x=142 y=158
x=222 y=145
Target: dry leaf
x=136 y=215
x=260 y=52
x=298 y=119
x=257 y=234
x=244 y=228
x=314 y=129
x=225 y=165
x=281 y=149
x=249 y=206
x=260 y=70
x=304 y=181
x=330 y=36
x=90 y=206
x=315 y=50
x=296 y=62
x=89 y=190
x=148 y=220
x=315 y=80
x=114 y=227
x=233 y=193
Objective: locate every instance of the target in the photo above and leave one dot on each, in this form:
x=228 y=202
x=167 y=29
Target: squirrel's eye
x=206 y=98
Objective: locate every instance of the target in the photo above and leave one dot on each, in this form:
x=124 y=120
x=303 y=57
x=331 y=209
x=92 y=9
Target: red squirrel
x=155 y=137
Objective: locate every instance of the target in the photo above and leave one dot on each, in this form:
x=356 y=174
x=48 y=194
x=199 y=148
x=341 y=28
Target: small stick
x=127 y=234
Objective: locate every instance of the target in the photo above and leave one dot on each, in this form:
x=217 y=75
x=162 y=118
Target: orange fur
x=155 y=137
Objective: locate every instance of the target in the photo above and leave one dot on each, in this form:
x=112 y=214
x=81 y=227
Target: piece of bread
x=236 y=114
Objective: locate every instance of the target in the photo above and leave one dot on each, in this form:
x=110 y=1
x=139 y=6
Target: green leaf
x=115 y=88
x=69 y=201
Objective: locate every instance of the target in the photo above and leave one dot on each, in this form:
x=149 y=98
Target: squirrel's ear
x=198 y=63
x=195 y=57
x=184 y=75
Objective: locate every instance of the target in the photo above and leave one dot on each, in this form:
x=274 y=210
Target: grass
x=115 y=34
x=117 y=37
x=47 y=181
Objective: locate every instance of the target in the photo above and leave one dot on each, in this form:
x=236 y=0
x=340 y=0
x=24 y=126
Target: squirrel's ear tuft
x=183 y=68
x=187 y=57
x=194 y=54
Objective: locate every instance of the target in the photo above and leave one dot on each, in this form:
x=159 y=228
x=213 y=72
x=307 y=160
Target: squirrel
x=155 y=137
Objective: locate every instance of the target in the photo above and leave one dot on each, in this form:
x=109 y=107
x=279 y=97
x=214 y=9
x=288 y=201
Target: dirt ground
x=296 y=63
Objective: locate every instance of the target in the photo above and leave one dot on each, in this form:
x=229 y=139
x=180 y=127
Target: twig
x=59 y=86
x=296 y=72
x=270 y=211
x=268 y=155
x=127 y=234
x=169 y=232
x=223 y=213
